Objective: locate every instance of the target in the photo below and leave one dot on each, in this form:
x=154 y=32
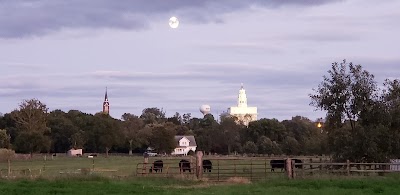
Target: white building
x=74 y=152
x=185 y=143
x=243 y=113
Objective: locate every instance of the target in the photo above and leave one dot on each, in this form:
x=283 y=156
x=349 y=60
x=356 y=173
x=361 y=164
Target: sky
x=65 y=53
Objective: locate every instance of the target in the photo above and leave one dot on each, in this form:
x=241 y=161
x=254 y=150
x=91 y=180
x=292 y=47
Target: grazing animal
x=184 y=165
x=157 y=166
x=207 y=165
x=277 y=164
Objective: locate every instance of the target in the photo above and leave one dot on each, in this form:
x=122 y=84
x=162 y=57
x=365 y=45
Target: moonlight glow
x=173 y=22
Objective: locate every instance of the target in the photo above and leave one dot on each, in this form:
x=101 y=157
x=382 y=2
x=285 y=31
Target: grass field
x=117 y=175
x=98 y=185
x=128 y=166
x=125 y=166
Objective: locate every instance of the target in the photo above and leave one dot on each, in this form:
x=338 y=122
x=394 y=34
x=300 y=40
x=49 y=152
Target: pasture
x=101 y=185
x=126 y=175
x=127 y=166
x=223 y=168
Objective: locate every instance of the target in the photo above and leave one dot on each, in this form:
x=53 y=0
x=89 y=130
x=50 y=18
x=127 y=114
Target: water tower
x=205 y=109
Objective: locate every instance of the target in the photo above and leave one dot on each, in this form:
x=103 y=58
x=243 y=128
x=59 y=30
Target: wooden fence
x=223 y=169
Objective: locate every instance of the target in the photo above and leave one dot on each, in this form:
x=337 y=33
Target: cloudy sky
x=65 y=53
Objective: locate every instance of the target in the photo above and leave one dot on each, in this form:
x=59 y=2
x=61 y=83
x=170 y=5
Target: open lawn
x=118 y=175
x=223 y=168
x=125 y=166
x=99 y=185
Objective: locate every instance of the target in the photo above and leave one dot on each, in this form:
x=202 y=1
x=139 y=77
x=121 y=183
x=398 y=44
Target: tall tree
x=356 y=114
x=63 y=132
x=347 y=93
x=4 y=139
x=153 y=115
x=176 y=119
x=131 y=127
x=163 y=139
x=186 y=118
x=31 y=122
x=230 y=131
x=108 y=131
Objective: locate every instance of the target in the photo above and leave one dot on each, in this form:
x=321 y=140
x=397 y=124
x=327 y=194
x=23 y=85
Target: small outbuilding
x=74 y=152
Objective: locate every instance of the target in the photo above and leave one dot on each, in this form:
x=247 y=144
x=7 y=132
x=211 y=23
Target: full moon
x=173 y=22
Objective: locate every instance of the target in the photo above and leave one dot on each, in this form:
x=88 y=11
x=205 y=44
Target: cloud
x=22 y=18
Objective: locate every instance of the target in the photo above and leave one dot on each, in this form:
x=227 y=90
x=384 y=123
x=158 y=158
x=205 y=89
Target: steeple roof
x=105 y=96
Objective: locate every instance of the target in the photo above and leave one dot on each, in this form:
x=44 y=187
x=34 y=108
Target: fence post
x=145 y=161
x=92 y=164
x=218 y=168
x=234 y=164
x=44 y=162
x=288 y=166
x=9 y=167
x=311 y=167
x=265 y=169
x=348 y=167
x=199 y=162
x=251 y=169
x=320 y=165
x=293 y=169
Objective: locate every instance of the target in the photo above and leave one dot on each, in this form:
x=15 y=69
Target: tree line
x=362 y=124
x=31 y=128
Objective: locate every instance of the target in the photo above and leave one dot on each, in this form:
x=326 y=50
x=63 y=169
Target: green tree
x=230 y=134
x=31 y=122
x=265 y=145
x=347 y=94
x=176 y=119
x=108 y=131
x=186 y=118
x=270 y=128
x=357 y=116
x=162 y=139
x=290 y=146
x=4 y=139
x=64 y=134
x=153 y=116
x=7 y=154
x=131 y=126
x=250 y=148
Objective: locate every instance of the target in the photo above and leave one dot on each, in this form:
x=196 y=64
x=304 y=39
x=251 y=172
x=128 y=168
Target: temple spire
x=242 y=99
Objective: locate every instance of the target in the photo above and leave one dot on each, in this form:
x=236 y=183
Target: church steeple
x=106 y=104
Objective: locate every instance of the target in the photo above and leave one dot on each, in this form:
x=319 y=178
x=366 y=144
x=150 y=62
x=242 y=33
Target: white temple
x=243 y=113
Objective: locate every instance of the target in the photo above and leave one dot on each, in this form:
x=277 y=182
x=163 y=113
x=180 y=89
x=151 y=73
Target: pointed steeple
x=105 y=97
x=106 y=104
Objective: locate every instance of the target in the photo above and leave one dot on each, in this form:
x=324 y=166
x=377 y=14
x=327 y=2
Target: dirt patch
x=206 y=184
x=240 y=180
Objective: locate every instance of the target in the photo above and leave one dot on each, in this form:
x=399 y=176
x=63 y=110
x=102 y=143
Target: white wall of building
x=184 y=151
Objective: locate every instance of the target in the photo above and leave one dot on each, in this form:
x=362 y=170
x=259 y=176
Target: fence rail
x=222 y=169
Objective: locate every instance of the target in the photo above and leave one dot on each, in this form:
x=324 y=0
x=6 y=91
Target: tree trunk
x=130 y=147
x=107 y=152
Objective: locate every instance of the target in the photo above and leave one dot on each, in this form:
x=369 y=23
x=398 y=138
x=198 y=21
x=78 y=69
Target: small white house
x=74 y=152
x=185 y=143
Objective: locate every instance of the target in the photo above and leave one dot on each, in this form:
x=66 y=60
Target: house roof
x=192 y=141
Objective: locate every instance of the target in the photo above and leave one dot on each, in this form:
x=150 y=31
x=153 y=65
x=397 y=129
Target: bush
x=191 y=153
